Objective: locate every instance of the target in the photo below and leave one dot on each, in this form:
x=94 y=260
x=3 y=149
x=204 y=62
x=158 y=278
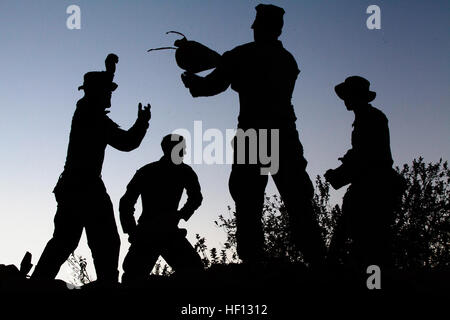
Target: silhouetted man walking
x=264 y=74
x=369 y=201
x=160 y=185
x=81 y=195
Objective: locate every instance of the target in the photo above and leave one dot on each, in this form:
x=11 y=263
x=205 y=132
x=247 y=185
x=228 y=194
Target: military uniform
x=264 y=75
x=375 y=187
x=81 y=195
x=160 y=185
x=369 y=201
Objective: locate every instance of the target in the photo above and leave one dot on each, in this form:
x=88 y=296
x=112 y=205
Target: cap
x=268 y=16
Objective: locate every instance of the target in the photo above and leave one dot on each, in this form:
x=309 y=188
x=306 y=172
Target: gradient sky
x=42 y=63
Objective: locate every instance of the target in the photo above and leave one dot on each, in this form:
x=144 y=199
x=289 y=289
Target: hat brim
x=113 y=86
x=343 y=92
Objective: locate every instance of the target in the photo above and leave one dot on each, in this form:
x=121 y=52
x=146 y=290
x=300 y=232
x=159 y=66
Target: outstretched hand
x=144 y=114
x=189 y=80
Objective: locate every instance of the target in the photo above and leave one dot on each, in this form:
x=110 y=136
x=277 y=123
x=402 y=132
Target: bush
x=421 y=229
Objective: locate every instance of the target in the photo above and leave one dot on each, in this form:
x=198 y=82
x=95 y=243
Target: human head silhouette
x=268 y=23
x=98 y=85
x=174 y=148
x=355 y=92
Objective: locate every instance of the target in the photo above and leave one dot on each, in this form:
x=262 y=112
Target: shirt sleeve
x=194 y=195
x=127 y=203
x=125 y=140
x=215 y=82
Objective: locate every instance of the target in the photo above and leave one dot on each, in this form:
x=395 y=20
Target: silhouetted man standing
x=369 y=201
x=81 y=195
x=264 y=74
x=160 y=185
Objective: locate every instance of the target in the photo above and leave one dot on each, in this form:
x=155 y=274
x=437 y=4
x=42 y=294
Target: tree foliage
x=78 y=265
x=278 y=244
x=422 y=223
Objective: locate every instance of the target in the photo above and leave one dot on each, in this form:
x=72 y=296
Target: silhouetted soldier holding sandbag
x=264 y=74
x=369 y=202
x=81 y=195
x=160 y=185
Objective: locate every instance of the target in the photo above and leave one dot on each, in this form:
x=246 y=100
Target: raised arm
x=131 y=139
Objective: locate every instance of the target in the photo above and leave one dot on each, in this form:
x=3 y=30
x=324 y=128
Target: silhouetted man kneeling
x=375 y=187
x=263 y=72
x=81 y=195
x=160 y=185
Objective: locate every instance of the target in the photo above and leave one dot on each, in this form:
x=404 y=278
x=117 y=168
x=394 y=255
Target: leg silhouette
x=181 y=256
x=296 y=190
x=103 y=238
x=247 y=187
x=67 y=234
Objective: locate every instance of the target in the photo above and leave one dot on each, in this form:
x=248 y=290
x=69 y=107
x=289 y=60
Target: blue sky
x=42 y=64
